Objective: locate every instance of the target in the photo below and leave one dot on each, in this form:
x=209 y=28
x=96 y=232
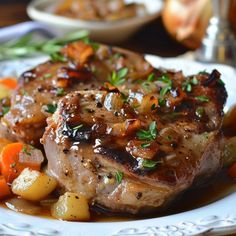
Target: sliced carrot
x=232 y=171
x=4 y=188
x=3 y=143
x=9 y=82
x=9 y=158
x=11 y=166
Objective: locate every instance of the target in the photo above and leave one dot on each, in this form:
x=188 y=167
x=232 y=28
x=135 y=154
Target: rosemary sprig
x=27 y=46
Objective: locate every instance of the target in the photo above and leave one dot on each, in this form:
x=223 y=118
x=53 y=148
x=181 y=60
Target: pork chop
x=136 y=146
x=79 y=66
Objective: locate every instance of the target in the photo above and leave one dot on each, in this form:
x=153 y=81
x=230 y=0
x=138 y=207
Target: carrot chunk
x=4 y=188
x=9 y=161
x=9 y=82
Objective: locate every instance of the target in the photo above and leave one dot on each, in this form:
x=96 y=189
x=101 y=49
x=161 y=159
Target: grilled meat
x=135 y=146
x=80 y=66
x=127 y=136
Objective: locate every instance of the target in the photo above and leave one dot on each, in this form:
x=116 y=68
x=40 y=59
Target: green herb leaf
x=203 y=72
x=60 y=92
x=119 y=176
x=151 y=77
x=27 y=46
x=221 y=82
x=46 y=76
x=51 y=108
x=117 y=78
x=194 y=80
x=200 y=112
x=202 y=98
x=149 y=134
x=78 y=127
x=94 y=45
x=26 y=151
x=58 y=57
x=149 y=163
x=187 y=85
x=166 y=80
x=5 y=109
x=145 y=145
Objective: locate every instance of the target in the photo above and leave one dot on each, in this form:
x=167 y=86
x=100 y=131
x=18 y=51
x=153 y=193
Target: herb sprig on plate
x=27 y=46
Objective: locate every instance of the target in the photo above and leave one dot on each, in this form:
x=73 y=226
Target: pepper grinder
x=219 y=44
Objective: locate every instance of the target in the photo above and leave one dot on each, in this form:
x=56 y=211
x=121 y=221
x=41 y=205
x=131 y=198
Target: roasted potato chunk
x=33 y=185
x=71 y=206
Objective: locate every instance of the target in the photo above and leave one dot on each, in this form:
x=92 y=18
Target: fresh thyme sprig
x=149 y=134
x=118 y=78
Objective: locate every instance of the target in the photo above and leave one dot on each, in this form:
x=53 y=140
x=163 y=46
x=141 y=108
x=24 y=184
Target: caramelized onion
x=21 y=205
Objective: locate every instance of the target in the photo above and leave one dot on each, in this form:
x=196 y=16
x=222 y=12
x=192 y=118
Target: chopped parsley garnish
x=149 y=134
x=166 y=80
x=202 y=98
x=194 y=80
x=26 y=151
x=203 y=72
x=118 y=78
x=58 y=57
x=221 y=82
x=60 y=91
x=153 y=106
x=5 y=109
x=145 y=145
x=187 y=85
x=151 y=77
x=77 y=127
x=51 y=108
x=94 y=45
x=149 y=163
x=200 y=112
x=119 y=176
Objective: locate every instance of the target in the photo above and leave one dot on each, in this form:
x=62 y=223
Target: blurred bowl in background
x=187 y=20
x=104 y=31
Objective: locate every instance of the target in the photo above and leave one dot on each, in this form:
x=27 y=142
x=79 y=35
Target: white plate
x=117 y=31
x=217 y=218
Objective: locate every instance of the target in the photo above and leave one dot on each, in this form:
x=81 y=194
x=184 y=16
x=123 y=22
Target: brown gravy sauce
x=192 y=199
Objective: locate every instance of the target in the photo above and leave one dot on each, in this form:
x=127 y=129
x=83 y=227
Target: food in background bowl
x=93 y=10
x=109 y=31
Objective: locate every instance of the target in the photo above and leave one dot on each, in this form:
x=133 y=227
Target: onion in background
x=187 y=20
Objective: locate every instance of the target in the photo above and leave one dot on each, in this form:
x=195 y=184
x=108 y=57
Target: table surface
x=151 y=39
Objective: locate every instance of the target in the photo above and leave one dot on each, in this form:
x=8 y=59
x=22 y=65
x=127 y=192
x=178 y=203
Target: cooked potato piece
x=71 y=206
x=33 y=185
x=4 y=92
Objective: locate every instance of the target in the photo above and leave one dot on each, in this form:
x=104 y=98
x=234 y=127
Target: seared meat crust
x=127 y=136
x=94 y=147
x=84 y=68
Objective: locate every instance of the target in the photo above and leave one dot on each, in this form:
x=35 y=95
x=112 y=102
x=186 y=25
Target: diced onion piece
x=71 y=206
x=33 y=185
x=31 y=156
x=126 y=128
x=149 y=103
x=24 y=206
